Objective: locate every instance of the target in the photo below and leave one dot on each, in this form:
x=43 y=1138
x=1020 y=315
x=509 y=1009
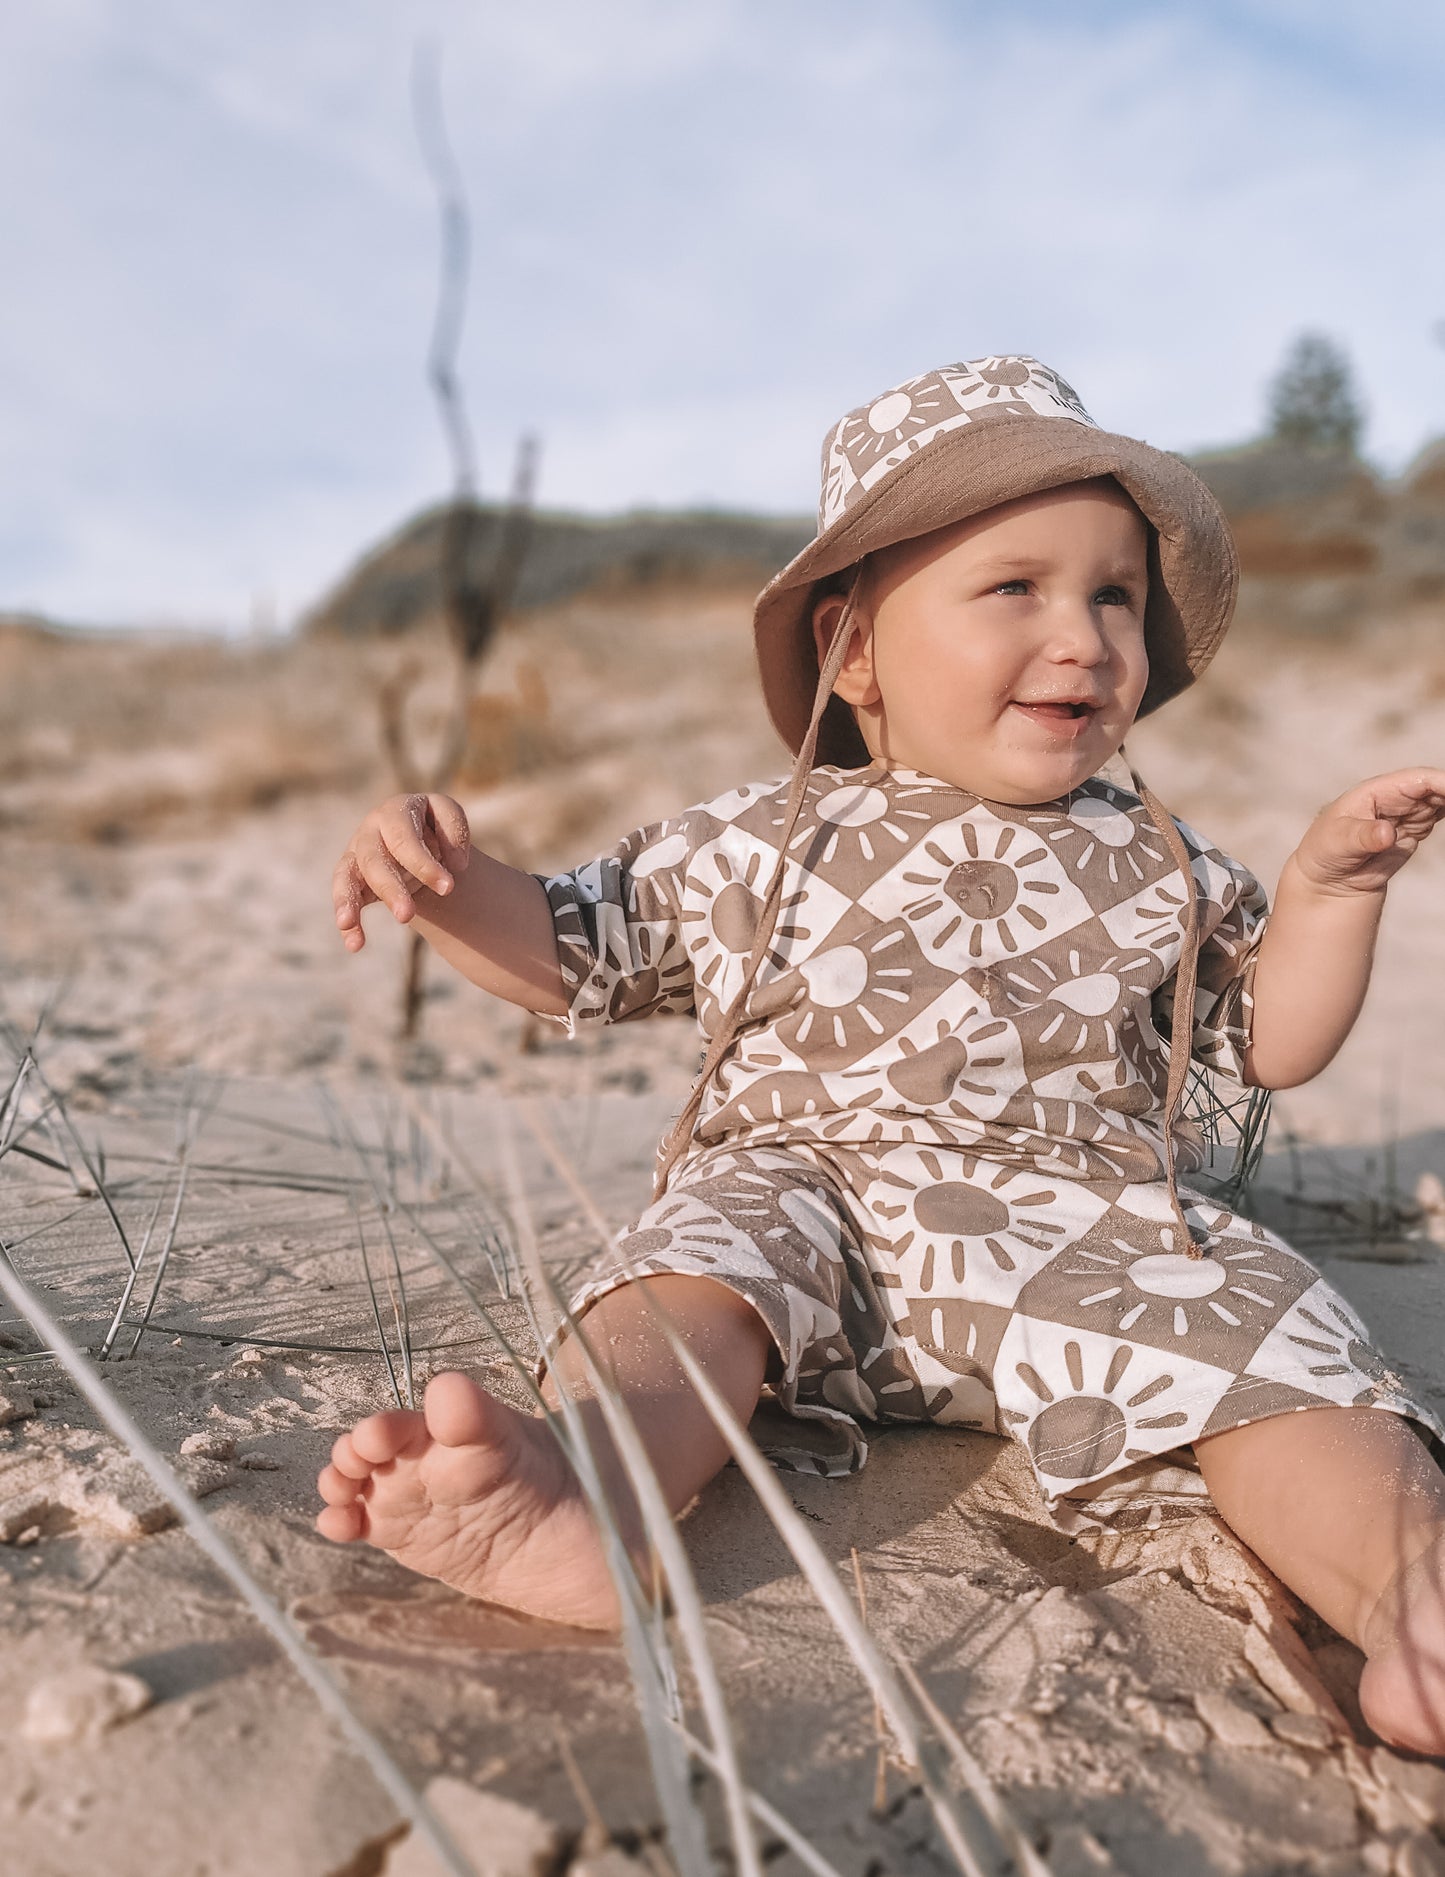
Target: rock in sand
x=80 y=1704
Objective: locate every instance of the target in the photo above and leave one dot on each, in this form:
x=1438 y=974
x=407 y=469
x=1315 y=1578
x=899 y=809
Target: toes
x=459 y=1414
x=347 y=1460
x=338 y=1488
x=380 y=1438
x=341 y=1524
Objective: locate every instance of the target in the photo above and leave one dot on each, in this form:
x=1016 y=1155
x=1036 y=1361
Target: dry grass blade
x=193 y=1118
x=463 y=1284
x=92 y=1167
x=666 y=1544
x=15 y=1144
x=334 y=1115
x=243 y=1337
x=50 y=1225
x=806 y=1854
x=563 y=1168
x=826 y=1587
x=650 y=1668
x=134 y=1277
x=596 y=1827
x=1027 y=1860
x=10 y=1107
x=237 y=1173
x=215 y=1547
x=494 y=1248
x=492 y=1236
x=880 y=1775
x=268 y=1124
x=663 y=1538
x=400 y=1307
x=654 y=1684
x=402 y=1400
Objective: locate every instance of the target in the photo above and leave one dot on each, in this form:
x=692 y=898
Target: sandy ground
x=1146 y=1701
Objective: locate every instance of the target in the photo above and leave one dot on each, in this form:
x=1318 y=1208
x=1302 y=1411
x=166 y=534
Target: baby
x=951 y=978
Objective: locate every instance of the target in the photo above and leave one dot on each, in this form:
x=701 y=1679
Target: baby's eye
x=1012 y=586
x=1113 y=596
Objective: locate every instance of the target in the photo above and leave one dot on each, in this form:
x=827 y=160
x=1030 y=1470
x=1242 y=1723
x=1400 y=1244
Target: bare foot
x=1402 y=1689
x=476 y=1494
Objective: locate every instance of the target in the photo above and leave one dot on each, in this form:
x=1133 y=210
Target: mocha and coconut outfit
x=936 y=1138
x=933 y=1159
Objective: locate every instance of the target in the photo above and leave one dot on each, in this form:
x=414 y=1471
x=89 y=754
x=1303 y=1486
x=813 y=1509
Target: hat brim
x=998 y=458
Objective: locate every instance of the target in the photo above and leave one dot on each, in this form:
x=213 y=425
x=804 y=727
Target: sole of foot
x=475 y=1494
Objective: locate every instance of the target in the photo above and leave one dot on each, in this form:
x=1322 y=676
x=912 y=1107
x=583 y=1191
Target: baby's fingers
x=349 y=894
x=454 y=834
x=386 y=880
x=406 y=827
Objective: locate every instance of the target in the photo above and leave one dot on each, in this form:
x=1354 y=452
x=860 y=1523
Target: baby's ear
x=826 y=613
x=856 y=683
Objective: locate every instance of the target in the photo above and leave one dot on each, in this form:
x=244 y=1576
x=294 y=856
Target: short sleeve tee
x=943 y=969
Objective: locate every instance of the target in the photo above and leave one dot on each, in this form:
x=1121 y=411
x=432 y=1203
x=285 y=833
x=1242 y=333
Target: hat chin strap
x=1186 y=976
x=726 y=1034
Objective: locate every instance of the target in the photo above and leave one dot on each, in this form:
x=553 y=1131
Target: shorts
x=907 y=1284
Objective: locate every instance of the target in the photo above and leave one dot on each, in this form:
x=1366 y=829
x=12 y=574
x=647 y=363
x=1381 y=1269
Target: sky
x=701 y=230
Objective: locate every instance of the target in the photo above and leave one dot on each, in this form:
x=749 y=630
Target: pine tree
x=1312 y=400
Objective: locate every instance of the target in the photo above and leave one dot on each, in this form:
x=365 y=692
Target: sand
x=1144 y=1701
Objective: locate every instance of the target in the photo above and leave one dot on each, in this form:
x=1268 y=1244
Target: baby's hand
x=409 y=843
x=1362 y=840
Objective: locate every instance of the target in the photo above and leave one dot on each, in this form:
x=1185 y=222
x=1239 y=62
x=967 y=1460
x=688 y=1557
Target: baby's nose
x=1079 y=632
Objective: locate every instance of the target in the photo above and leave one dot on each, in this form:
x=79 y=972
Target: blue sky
x=702 y=229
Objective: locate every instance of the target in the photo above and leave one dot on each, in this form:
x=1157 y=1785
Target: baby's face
x=1004 y=654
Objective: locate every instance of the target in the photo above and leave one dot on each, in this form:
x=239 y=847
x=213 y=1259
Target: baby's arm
x=1315 y=956
x=414 y=855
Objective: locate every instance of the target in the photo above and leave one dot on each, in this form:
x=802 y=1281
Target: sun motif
x=865 y=436
x=1068 y=1139
x=994 y=377
x=685 y=1232
x=870 y=440
x=954 y=1343
x=1099 y=1408
x=955 y=1332
x=657 y=979
x=1331 y=1353
x=658 y=863
x=965 y=1222
x=982 y=888
x=854 y=818
x=1097 y=835
x=1158 y=918
x=1119 y=1088
x=721 y=908
x=752 y=1083
x=1130 y=1278
x=1070 y=999
x=966 y=1067
x=861 y=987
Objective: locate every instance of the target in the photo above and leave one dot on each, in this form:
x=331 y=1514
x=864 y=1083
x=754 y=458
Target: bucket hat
x=950 y=444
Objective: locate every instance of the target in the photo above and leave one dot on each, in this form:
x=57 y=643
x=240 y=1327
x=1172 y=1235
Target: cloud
x=699 y=233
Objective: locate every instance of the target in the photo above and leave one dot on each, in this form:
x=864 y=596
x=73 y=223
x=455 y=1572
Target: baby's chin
x=1018 y=779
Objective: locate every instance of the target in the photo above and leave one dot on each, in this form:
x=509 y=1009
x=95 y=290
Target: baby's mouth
x=1066 y=715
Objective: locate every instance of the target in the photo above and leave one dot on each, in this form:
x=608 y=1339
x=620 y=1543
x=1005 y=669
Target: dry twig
x=472 y=604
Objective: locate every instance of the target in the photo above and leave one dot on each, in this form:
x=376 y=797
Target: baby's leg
x=1348 y=1508
x=481 y=1496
